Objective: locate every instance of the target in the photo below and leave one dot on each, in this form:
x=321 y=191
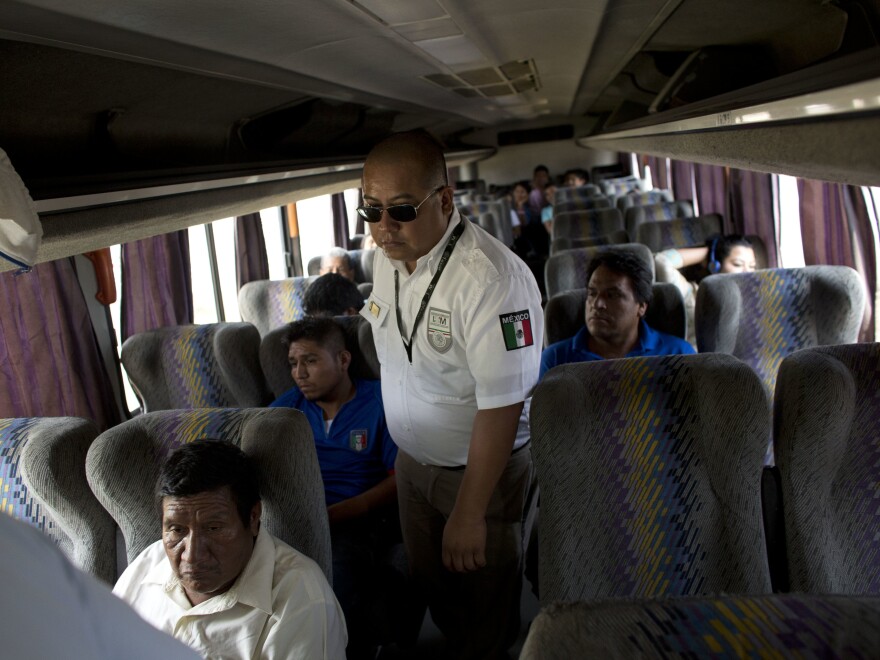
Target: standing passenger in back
x=457 y=323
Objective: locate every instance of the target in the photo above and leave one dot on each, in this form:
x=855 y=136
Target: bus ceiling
x=114 y=97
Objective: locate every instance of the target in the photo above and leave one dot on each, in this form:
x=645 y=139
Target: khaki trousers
x=477 y=612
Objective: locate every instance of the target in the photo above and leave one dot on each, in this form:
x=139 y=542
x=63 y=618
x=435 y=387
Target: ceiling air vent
x=511 y=78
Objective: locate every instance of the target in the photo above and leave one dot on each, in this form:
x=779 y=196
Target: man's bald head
x=419 y=149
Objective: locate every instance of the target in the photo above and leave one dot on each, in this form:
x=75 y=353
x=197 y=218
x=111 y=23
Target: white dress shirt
x=281 y=606
x=461 y=361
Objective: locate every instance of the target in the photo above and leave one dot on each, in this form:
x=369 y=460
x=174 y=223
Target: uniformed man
x=458 y=328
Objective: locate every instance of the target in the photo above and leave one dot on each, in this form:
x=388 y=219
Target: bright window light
x=131 y=400
x=273 y=234
x=788 y=222
x=204 y=308
x=224 y=244
x=352 y=195
x=315 y=227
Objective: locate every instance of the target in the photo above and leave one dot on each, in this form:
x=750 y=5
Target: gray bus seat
x=43 y=482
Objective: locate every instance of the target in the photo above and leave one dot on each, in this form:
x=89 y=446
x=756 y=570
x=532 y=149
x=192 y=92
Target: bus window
x=315 y=226
x=788 y=222
x=204 y=303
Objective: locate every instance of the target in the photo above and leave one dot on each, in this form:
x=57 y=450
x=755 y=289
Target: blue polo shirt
x=575 y=349
x=358 y=453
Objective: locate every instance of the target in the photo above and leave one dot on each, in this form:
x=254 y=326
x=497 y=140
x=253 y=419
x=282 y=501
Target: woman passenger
x=721 y=254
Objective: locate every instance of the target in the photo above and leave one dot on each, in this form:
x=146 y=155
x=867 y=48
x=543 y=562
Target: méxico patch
x=517 y=329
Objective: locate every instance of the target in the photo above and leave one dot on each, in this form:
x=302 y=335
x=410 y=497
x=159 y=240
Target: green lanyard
x=447 y=252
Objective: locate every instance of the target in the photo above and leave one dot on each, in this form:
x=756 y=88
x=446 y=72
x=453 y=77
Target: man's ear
x=344 y=359
x=256 y=514
x=447 y=202
x=643 y=308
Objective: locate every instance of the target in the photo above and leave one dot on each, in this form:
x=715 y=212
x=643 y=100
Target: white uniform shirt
x=52 y=610
x=477 y=346
x=279 y=607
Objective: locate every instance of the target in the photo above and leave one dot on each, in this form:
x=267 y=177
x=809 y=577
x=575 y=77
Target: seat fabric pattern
x=566 y=193
x=763 y=316
x=16 y=499
x=587 y=224
x=827 y=446
x=615 y=238
x=679 y=232
x=196 y=366
x=793 y=625
x=123 y=465
x=269 y=304
x=635 y=216
x=43 y=482
x=568 y=269
x=649 y=470
x=635 y=198
x=581 y=204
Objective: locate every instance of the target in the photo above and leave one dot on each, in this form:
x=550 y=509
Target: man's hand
x=464 y=543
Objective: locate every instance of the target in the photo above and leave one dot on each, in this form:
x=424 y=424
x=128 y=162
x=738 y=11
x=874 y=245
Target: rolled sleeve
x=504 y=371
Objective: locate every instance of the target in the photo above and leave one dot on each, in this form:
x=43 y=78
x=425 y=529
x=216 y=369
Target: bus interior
x=137 y=119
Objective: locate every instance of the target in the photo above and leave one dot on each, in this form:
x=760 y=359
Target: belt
x=458 y=468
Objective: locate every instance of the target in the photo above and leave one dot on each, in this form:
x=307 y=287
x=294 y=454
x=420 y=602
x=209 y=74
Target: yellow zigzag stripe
x=640 y=439
x=193 y=382
x=770 y=328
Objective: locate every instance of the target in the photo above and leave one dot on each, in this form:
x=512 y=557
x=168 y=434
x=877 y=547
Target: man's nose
x=387 y=223
x=299 y=371
x=194 y=548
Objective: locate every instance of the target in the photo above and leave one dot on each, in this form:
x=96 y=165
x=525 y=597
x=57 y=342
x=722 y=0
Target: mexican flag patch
x=517 y=329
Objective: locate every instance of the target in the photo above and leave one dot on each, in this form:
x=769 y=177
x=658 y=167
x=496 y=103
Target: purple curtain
x=836 y=230
x=683 y=180
x=711 y=186
x=340 y=221
x=659 y=172
x=50 y=364
x=251 y=262
x=156 y=283
x=751 y=204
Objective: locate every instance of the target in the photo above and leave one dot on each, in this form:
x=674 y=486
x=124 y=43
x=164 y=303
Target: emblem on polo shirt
x=357 y=440
x=439 y=329
x=517 y=329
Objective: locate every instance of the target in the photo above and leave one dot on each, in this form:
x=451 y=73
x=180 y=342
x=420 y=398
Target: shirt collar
x=432 y=258
x=647 y=340
x=253 y=587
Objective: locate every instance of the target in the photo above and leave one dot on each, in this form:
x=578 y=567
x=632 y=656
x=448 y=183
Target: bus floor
x=430 y=644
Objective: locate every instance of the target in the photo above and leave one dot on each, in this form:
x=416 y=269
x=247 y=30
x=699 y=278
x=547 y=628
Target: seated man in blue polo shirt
x=356 y=455
x=618 y=295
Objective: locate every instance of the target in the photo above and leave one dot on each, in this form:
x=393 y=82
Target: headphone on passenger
x=714 y=264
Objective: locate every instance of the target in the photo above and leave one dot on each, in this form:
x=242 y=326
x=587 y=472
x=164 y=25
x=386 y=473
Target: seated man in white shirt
x=216 y=580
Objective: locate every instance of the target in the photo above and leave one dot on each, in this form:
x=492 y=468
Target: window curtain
x=50 y=364
x=659 y=172
x=836 y=230
x=156 y=283
x=710 y=183
x=340 y=221
x=682 y=180
x=751 y=209
x=251 y=262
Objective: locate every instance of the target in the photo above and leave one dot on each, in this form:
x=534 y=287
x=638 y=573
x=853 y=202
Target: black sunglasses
x=398 y=212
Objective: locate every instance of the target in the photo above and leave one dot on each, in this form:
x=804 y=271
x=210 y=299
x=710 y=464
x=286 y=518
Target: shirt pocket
x=377 y=313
